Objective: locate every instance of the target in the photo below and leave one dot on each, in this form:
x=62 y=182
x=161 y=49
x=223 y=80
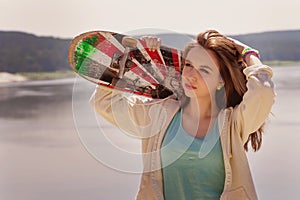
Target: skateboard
x=125 y=63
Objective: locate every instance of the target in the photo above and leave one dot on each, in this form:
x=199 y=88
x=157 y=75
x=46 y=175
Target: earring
x=219 y=87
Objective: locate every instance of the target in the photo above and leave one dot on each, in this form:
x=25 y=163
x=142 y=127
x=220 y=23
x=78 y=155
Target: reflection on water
x=41 y=155
x=36 y=114
x=30 y=100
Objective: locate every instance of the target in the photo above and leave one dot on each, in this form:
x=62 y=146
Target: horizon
x=171 y=32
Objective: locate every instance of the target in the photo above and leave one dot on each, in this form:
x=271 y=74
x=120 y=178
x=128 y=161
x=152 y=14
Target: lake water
x=52 y=145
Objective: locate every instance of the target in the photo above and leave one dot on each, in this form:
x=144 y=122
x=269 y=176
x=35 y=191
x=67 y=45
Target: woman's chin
x=190 y=94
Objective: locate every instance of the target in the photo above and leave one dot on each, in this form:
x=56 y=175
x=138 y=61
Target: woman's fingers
x=153 y=43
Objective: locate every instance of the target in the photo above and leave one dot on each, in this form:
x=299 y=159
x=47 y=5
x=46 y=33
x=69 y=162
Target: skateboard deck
x=125 y=63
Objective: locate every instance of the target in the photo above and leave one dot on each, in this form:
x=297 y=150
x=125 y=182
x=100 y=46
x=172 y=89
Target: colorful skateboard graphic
x=124 y=63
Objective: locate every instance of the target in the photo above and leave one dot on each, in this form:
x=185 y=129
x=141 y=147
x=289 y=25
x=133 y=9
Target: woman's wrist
x=251 y=56
x=249 y=51
x=252 y=60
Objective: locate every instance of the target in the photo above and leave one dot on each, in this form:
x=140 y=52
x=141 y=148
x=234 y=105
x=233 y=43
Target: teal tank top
x=193 y=168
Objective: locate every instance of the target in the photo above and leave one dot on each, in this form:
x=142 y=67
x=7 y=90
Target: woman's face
x=200 y=75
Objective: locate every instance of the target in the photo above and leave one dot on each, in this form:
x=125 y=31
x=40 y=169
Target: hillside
x=23 y=52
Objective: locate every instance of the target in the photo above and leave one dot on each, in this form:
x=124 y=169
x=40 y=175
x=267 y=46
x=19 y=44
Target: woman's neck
x=199 y=108
x=199 y=116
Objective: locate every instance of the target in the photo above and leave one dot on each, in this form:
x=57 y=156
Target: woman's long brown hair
x=231 y=69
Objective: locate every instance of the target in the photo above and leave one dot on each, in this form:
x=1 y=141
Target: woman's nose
x=192 y=79
x=189 y=77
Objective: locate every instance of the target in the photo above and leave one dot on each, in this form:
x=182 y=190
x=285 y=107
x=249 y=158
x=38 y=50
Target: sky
x=68 y=18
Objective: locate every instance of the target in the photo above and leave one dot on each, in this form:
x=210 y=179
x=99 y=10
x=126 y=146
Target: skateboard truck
x=129 y=43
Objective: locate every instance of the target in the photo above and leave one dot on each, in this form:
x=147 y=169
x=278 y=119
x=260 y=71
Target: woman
x=195 y=148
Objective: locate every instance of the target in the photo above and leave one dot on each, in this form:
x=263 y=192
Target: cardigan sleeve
x=257 y=102
x=135 y=116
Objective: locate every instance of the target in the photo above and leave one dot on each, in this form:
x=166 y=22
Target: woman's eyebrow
x=207 y=67
x=202 y=66
x=188 y=61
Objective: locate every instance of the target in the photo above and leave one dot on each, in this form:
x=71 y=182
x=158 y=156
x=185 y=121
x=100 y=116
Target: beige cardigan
x=149 y=121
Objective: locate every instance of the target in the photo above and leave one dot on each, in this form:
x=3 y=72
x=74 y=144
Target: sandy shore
x=6 y=77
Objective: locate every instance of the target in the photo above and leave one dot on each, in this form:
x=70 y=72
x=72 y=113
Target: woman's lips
x=190 y=87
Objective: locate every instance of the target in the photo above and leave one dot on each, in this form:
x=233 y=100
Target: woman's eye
x=200 y=69
x=188 y=65
x=204 y=70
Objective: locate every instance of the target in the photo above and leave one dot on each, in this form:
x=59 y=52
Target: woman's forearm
x=252 y=60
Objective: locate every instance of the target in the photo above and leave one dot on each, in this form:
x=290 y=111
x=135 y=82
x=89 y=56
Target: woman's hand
x=153 y=43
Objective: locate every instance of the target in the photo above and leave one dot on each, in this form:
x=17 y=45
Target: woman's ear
x=221 y=82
